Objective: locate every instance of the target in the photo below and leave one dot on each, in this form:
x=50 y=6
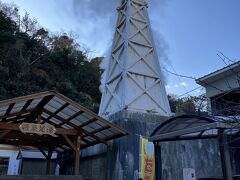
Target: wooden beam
x=85 y=140
x=24 y=108
x=88 y=122
x=62 y=120
x=72 y=117
x=48 y=166
x=17 y=113
x=43 y=152
x=10 y=107
x=57 y=111
x=28 y=143
x=15 y=127
x=27 y=104
x=16 y=119
x=99 y=130
x=59 y=118
x=76 y=127
x=63 y=148
x=70 y=143
x=87 y=111
x=105 y=139
x=39 y=107
x=26 y=98
x=4 y=133
x=77 y=156
x=34 y=138
x=70 y=132
x=44 y=101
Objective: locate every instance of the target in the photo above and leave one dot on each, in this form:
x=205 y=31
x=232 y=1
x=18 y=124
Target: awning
x=189 y=127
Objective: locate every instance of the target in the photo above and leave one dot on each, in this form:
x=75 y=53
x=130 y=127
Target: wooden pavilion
x=51 y=122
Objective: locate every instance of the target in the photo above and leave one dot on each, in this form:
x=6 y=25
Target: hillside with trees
x=32 y=60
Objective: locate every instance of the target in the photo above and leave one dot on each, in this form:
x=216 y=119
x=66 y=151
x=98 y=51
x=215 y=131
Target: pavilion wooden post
x=77 y=156
x=49 y=155
x=76 y=145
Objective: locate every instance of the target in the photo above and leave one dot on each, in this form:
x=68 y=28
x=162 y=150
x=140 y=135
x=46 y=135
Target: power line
x=193 y=78
x=227 y=58
x=179 y=78
x=189 y=91
x=228 y=66
x=182 y=76
x=179 y=75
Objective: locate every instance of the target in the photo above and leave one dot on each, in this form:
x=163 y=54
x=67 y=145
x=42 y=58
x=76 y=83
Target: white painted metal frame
x=134 y=80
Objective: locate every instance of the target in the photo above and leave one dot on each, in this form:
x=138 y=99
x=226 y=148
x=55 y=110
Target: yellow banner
x=147 y=160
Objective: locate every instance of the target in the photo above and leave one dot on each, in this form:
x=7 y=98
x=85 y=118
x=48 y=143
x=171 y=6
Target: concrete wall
x=94 y=167
x=201 y=155
x=124 y=156
x=121 y=162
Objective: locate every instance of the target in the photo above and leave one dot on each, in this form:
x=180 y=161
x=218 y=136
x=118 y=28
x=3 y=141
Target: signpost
x=40 y=129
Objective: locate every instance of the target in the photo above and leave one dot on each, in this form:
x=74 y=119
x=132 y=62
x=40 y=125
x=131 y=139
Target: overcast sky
x=188 y=33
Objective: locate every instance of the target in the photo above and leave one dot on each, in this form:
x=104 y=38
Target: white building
x=9 y=164
x=223 y=89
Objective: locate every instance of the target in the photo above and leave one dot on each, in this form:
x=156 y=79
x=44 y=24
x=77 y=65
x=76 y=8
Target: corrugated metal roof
x=64 y=114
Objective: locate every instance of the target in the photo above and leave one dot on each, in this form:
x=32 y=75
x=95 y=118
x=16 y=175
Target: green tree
x=31 y=61
x=194 y=105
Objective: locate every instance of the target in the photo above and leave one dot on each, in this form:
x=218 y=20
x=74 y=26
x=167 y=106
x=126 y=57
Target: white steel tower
x=134 y=81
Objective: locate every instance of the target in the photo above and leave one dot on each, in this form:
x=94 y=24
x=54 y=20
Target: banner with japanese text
x=147 y=160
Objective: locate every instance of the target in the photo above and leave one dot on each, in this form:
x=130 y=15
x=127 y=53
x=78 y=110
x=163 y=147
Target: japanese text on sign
x=39 y=129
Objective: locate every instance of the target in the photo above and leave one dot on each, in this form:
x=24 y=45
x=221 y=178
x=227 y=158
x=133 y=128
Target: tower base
x=121 y=160
x=124 y=156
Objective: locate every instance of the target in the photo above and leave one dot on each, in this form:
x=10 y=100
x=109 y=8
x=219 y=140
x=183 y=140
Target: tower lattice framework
x=134 y=81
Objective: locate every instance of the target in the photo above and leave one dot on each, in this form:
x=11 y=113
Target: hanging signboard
x=39 y=129
x=147 y=160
